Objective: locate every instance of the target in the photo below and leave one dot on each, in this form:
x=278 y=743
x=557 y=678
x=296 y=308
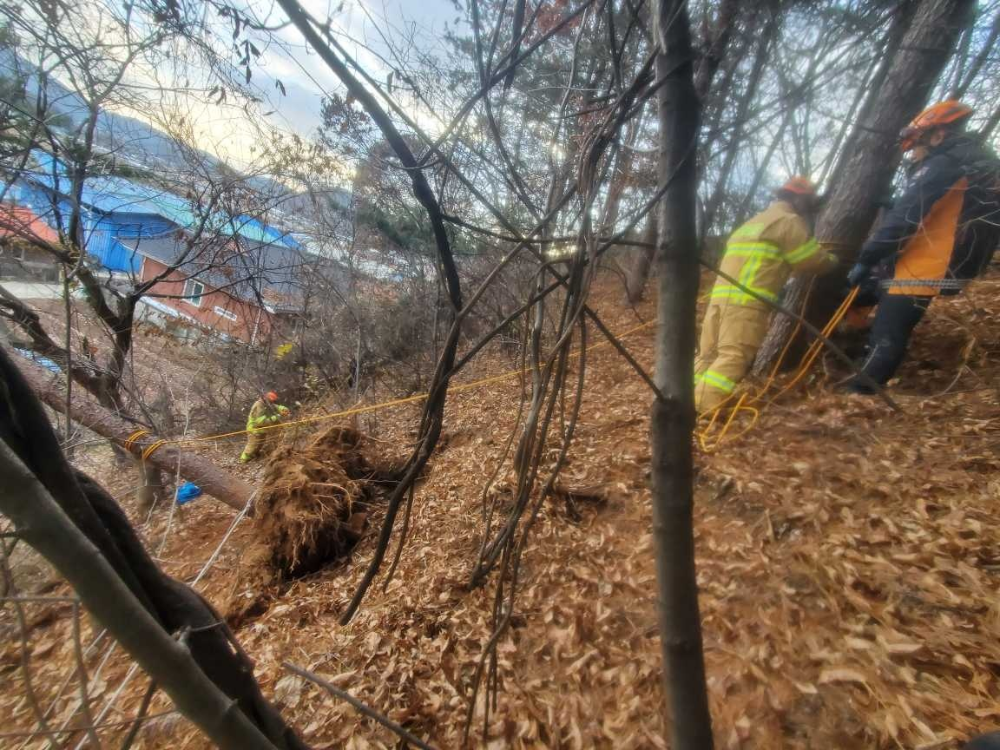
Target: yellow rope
x=151 y=449
x=130 y=440
x=807 y=361
x=395 y=402
x=703 y=437
x=742 y=404
x=817 y=345
x=788 y=344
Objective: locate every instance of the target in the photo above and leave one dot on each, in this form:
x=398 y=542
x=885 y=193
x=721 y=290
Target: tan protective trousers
x=257 y=442
x=730 y=337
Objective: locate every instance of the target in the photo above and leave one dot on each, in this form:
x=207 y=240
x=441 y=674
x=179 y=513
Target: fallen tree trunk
x=210 y=478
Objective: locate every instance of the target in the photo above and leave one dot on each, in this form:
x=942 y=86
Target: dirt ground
x=848 y=555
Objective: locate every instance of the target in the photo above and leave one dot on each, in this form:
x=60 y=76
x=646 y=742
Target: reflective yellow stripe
x=716 y=380
x=260 y=421
x=736 y=294
x=752 y=250
x=749 y=272
x=755 y=254
x=803 y=252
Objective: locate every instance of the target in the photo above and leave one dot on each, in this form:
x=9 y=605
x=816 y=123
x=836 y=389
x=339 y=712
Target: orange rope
x=150 y=450
x=817 y=345
x=130 y=440
x=807 y=361
x=788 y=344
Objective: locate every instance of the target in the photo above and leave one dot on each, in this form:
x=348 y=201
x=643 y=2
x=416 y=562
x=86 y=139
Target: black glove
x=858 y=273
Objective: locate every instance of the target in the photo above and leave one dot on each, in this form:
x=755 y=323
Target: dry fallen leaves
x=848 y=559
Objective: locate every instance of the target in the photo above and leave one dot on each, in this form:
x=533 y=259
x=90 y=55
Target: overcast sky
x=306 y=78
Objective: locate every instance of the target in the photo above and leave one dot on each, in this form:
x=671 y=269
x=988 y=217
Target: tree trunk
x=210 y=478
x=150 y=486
x=673 y=414
x=982 y=57
x=990 y=124
x=763 y=56
x=166 y=660
x=108 y=536
x=867 y=163
x=715 y=52
x=638 y=272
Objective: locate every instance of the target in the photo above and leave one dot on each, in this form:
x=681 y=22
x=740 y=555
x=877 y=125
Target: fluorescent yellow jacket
x=263 y=414
x=764 y=252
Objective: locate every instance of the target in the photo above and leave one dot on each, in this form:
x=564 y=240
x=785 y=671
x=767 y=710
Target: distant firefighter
x=265 y=412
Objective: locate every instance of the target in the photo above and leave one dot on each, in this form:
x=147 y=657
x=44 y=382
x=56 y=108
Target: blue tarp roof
x=116 y=195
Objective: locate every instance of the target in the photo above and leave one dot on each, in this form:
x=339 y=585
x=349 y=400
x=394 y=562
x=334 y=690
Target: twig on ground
x=22 y=627
x=371 y=713
x=81 y=668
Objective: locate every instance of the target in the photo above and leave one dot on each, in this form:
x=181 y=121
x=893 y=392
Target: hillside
x=139 y=145
x=848 y=561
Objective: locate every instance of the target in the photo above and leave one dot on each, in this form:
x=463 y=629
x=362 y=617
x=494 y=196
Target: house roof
x=242 y=268
x=20 y=217
x=116 y=195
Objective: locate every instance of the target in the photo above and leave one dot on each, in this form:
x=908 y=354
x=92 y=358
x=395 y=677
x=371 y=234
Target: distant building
x=217 y=274
x=230 y=287
x=115 y=212
x=111 y=209
x=19 y=258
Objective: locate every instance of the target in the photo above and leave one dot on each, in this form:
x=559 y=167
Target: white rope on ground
x=225 y=538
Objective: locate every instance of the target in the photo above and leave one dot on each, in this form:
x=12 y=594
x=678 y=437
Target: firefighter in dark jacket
x=938 y=235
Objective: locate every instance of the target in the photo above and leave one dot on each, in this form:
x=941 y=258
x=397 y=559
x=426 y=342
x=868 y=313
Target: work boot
x=856 y=387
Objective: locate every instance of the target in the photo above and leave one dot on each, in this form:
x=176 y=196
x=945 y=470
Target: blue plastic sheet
x=187 y=492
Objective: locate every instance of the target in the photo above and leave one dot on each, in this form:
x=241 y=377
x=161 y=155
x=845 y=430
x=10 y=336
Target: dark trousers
x=896 y=317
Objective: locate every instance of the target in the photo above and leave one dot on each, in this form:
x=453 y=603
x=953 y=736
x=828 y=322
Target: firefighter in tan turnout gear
x=760 y=255
x=266 y=411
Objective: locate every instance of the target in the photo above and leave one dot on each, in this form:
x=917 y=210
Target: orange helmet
x=799 y=186
x=938 y=115
x=271 y=396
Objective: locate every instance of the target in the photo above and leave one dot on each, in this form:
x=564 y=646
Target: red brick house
x=19 y=258
x=231 y=287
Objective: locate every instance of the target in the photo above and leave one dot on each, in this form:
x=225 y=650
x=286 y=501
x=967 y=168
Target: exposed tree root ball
x=313 y=503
